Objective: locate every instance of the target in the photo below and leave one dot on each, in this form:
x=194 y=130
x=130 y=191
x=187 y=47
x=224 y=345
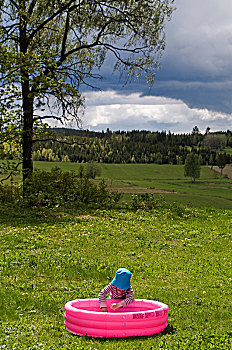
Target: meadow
x=165 y=180
x=168 y=181
x=178 y=255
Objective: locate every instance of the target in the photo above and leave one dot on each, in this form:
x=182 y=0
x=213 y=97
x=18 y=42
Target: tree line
x=133 y=147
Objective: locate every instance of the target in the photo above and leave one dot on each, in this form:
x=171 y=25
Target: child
x=119 y=288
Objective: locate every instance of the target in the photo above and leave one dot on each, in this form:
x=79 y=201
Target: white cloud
x=109 y=109
x=196 y=71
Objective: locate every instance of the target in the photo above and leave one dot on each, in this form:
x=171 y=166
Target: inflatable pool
x=141 y=317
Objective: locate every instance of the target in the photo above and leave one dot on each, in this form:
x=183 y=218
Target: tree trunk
x=27 y=99
x=27 y=137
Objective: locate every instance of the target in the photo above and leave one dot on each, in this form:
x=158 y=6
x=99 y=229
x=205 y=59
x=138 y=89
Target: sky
x=192 y=87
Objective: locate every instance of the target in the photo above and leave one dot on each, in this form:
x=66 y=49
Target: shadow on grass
x=168 y=330
x=22 y=216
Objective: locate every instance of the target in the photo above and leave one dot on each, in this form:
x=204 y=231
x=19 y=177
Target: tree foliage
x=49 y=49
x=215 y=141
x=126 y=147
x=192 y=166
x=221 y=160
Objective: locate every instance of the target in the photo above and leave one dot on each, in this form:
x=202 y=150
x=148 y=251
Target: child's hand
x=104 y=309
x=115 y=306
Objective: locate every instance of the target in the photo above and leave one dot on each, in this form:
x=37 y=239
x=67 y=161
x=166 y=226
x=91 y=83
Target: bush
x=92 y=169
x=58 y=188
x=145 y=201
x=152 y=201
x=10 y=193
x=61 y=188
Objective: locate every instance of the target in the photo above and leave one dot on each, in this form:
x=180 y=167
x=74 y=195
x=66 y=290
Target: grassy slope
x=50 y=257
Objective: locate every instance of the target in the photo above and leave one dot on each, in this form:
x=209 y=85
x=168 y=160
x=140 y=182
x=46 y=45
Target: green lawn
x=142 y=171
x=180 y=256
x=211 y=189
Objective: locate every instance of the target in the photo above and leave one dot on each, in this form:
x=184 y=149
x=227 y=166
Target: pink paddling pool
x=141 y=317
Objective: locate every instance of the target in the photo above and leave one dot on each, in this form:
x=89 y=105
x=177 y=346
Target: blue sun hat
x=122 y=279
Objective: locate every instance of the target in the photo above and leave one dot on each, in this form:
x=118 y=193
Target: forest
x=133 y=146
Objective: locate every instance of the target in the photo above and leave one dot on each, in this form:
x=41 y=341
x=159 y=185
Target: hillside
x=133 y=147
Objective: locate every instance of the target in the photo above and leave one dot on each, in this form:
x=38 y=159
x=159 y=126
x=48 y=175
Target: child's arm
x=129 y=297
x=127 y=301
x=102 y=297
x=115 y=306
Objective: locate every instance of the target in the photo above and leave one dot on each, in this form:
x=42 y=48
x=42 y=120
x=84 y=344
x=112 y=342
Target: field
x=166 y=180
x=180 y=256
x=211 y=189
x=228 y=150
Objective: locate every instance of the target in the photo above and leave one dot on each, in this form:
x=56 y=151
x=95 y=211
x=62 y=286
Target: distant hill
x=133 y=146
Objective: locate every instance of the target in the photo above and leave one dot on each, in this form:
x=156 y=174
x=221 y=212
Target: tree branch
x=11 y=173
x=47 y=117
x=31 y=7
x=43 y=24
x=14 y=3
x=59 y=141
x=86 y=46
x=62 y=55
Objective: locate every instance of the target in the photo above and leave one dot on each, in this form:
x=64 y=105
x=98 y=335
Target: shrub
x=92 y=169
x=146 y=201
x=10 y=193
x=60 y=188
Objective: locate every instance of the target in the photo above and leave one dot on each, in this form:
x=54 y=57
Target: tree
x=192 y=166
x=92 y=169
x=211 y=160
x=195 y=130
x=221 y=161
x=207 y=130
x=158 y=158
x=50 y=48
x=215 y=141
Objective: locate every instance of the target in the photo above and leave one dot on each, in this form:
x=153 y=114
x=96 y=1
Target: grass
x=180 y=256
x=211 y=189
x=228 y=150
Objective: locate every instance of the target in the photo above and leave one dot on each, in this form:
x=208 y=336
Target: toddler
x=119 y=288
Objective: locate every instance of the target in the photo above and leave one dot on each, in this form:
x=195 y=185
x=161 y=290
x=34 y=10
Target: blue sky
x=192 y=87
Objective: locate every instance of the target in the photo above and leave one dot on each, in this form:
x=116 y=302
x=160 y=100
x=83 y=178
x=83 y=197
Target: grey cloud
x=196 y=68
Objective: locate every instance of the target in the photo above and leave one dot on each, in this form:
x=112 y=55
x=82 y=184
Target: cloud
x=109 y=109
x=199 y=40
x=196 y=66
x=192 y=87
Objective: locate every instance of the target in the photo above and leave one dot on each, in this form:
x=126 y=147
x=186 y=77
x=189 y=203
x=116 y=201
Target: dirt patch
x=226 y=171
x=138 y=190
